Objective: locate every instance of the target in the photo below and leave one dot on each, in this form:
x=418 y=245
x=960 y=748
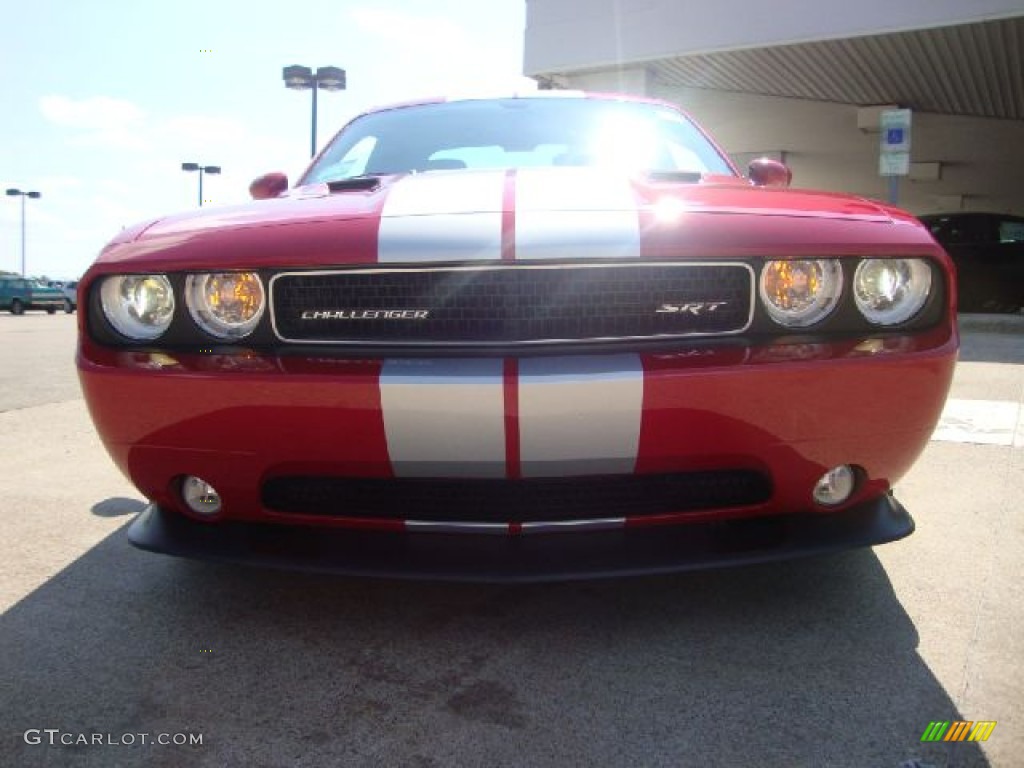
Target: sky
x=102 y=101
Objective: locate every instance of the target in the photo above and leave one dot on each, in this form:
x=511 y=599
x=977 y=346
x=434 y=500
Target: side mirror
x=765 y=172
x=268 y=185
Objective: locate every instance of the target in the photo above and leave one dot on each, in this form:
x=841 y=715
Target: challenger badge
x=365 y=314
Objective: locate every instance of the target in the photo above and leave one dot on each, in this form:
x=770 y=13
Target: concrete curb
x=982 y=323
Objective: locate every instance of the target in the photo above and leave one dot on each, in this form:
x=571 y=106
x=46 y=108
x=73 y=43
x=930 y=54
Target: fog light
x=835 y=486
x=201 y=497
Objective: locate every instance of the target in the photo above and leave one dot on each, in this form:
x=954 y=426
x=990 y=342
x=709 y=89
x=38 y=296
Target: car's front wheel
x=50 y=310
x=17 y=308
x=68 y=306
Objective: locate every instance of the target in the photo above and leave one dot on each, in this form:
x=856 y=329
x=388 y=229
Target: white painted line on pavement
x=985 y=422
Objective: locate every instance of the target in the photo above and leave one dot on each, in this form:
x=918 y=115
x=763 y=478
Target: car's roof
x=524 y=94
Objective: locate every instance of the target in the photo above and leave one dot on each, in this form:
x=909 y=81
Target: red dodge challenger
x=530 y=338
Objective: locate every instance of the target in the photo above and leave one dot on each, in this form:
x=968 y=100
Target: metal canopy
x=969 y=69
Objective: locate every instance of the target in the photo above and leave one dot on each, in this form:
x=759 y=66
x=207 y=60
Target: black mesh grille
x=527 y=500
x=512 y=304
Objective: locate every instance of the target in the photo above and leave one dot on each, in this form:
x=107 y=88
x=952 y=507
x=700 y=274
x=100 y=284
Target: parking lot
x=838 y=661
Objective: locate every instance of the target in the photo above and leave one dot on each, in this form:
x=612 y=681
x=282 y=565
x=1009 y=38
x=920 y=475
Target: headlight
x=891 y=291
x=801 y=293
x=138 y=306
x=227 y=305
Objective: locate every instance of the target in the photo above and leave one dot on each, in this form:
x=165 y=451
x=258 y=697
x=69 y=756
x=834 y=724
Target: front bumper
x=786 y=411
x=526 y=558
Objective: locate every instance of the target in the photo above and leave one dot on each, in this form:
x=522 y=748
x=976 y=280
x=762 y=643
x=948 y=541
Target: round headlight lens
x=227 y=305
x=138 y=306
x=802 y=292
x=891 y=291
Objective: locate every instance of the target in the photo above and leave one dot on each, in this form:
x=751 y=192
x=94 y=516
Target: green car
x=18 y=294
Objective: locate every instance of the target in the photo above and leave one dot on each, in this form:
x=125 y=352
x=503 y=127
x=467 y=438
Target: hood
x=526 y=190
x=533 y=213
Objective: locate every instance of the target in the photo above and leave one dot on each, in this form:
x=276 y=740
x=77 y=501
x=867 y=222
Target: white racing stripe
x=579 y=415
x=444 y=418
x=442 y=217
x=602 y=524
x=575 y=213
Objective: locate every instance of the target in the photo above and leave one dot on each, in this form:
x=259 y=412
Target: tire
x=51 y=310
x=17 y=308
x=68 y=306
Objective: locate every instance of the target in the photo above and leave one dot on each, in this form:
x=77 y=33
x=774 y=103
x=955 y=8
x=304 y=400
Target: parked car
x=525 y=338
x=988 y=251
x=70 y=291
x=18 y=294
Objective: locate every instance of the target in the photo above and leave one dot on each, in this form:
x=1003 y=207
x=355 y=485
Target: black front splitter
x=523 y=558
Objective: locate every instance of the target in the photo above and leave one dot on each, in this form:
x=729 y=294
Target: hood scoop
x=355 y=184
x=678 y=177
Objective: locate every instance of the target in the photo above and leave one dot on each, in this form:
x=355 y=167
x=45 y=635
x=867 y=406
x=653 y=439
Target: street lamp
x=201 y=169
x=34 y=196
x=300 y=78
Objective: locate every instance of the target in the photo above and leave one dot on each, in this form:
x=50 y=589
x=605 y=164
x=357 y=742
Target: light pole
x=300 y=78
x=201 y=169
x=34 y=196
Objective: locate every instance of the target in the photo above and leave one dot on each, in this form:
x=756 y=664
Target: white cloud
x=114 y=209
x=96 y=113
x=409 y=30
x=139 y=155
x=120 y=126
x=219 y=141
x=421 y=55
x=100 y=121
x=193 y=133
x=59 y=183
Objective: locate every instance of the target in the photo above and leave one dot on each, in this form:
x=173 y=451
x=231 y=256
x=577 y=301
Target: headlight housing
x=139 y=307
x=891 y=291
x=227 y=305
x=801 y=292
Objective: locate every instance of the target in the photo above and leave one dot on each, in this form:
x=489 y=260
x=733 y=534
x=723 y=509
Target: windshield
x=519 y=133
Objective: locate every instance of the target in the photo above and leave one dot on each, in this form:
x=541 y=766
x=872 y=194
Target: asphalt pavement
x=106 y=651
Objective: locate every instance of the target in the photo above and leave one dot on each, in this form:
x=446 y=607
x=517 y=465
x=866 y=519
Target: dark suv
x=18 y=294
x=988 y=250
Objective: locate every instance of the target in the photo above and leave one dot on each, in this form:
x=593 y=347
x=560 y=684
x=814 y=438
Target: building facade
x=806 y=80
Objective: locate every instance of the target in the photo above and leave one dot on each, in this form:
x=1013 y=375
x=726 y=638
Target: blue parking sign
x=895 y=130
x=894 y=144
